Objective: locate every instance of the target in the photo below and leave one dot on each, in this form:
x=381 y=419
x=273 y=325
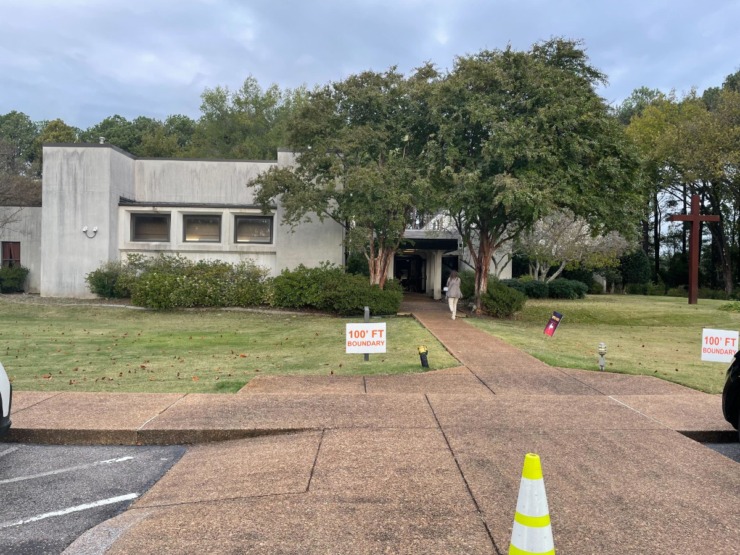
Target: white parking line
x=9 y=451
x=69 y=510
x=63 y=470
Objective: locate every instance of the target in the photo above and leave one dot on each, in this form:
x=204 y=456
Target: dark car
x=731 y=394
x=6 y=396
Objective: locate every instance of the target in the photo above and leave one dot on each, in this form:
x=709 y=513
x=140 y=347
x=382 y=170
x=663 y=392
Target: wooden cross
x=695 y=218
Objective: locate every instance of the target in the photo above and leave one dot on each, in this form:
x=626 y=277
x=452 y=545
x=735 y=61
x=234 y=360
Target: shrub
x=567 y=289
x=116 y=279
x=329 y=289
x=656 y=289
x=305 y=287
x=584 y=275
x=502 y=301
x=175 y=282
x=12 y=279
x=467 y=284
x=706 y=293
x=203 y=284
x=636 y=289
x=250 y=286
x=536 y=289
x=515 y=284
x=353 y=293
x=596 y=288
x=357 y=264
x=113 y=280
x=677 y=292
x=733 y=306
x=155 y=290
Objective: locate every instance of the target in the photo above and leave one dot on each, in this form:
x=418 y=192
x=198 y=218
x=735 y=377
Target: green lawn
x=65 y=347
x=654 y=336
x=68 y=347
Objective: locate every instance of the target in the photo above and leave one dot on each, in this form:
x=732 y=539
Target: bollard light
x=602 y=356
x=423 y=356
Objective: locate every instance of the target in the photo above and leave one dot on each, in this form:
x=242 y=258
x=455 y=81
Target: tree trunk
x=482 y=266
x=718 y=234
x=656 y=236
x=385 y=256
x=378 y=261
x=556 y=274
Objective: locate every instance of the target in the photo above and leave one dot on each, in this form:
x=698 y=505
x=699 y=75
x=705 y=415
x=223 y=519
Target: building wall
x=122 y=184
x=197 y=181
x=25 y=228
x=77 y=189
x=223 y=185
x=310 y=243
x=82 y=188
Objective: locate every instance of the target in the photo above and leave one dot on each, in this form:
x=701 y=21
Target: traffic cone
x=532 y=533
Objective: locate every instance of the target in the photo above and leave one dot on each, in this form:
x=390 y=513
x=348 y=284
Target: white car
x=6 y=395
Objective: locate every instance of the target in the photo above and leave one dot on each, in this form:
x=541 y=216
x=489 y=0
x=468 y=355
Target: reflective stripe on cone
x=532 y=533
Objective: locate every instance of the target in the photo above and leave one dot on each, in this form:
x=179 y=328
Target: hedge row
x=168 y=282
x=556 y=289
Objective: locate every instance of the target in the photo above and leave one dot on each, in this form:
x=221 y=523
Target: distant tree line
x=516 y=147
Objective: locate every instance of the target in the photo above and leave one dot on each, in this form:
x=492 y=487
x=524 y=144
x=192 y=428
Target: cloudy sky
x=84 y=60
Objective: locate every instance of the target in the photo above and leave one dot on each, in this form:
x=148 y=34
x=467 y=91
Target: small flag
x=552 y=325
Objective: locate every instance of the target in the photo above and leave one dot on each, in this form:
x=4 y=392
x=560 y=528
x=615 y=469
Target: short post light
x=602 y=356
x=423 y=356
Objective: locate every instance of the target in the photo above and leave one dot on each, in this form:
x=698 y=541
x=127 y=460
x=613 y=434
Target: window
x=150 y=227
x=11 y=254
x=253 y=229
x=202 y=228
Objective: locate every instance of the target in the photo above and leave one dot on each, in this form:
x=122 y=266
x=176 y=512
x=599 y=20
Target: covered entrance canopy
x=425 y=259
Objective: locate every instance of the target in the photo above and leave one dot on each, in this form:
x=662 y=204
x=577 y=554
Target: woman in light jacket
x=453 y=292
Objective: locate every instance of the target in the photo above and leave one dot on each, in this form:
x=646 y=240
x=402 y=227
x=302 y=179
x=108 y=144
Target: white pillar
x=428 y=273
x=437 y=274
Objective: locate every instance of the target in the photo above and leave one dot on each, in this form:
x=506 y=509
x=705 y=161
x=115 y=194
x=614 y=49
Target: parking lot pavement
x=52 y=494
x=729 y=450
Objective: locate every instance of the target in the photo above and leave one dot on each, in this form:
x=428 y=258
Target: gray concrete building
x=100 y=203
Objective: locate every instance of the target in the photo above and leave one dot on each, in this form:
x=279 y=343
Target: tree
x=522 y=133
x=635 y=267
x=635 y=103
x=182 y=128
x=248 y=123
x=118 y=131
x=359 y=163
x=646 y=126
x=693 y=149
x=172 y=139
x=17 y=133
x=560 y=240
x=55 y=131
x=18 y=186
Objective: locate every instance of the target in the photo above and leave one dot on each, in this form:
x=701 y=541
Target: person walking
x=453 y=292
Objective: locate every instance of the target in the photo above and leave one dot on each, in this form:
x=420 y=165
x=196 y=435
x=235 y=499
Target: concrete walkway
x=426 y=463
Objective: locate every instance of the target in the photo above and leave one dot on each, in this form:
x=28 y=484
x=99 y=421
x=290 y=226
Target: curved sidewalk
x=425 y=463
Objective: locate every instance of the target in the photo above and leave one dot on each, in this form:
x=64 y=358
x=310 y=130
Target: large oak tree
x=522 y=133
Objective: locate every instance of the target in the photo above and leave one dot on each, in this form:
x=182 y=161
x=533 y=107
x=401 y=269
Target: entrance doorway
x=410 y=271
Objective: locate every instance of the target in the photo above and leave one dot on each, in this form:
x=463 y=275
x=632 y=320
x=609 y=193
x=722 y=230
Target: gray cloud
x=83 y=60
